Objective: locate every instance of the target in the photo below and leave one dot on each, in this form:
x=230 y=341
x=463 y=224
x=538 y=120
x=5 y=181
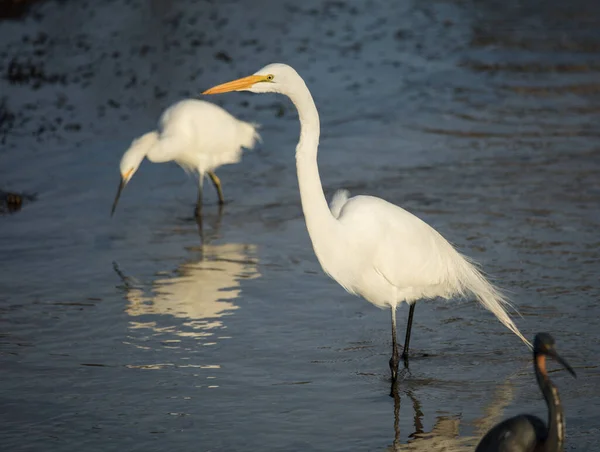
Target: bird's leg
x=396 y=395
x=394 y=359
x=200 y=223
x=418 y=419
x=217 y=182
x=411 y=313
x=198 y=211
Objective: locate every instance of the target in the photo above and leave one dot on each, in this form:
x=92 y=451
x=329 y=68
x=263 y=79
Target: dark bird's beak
x=562 y=362
x=121 y=187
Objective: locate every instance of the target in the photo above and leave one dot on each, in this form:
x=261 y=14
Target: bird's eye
x=270 y=77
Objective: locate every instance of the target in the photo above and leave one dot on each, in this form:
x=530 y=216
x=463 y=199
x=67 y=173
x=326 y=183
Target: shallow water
x=131 y=333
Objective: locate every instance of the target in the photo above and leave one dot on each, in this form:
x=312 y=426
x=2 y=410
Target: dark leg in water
x=198 y=211
x=200 y=223
x=411 y=313
x=217 y=183
x=394 y=359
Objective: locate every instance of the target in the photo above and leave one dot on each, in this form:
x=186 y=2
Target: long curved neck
x=318 y=217
x=556 y=419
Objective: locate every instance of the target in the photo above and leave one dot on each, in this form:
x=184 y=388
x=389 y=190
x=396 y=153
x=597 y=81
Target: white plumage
x=402 y=258
x=198 y=136
x=369 y=246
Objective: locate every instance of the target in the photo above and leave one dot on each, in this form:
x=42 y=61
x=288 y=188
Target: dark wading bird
x=527 y=433
x=198 y=136
x=371 y=247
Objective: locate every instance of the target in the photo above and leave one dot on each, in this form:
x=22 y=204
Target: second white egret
x=195 y=134
x=371 y=247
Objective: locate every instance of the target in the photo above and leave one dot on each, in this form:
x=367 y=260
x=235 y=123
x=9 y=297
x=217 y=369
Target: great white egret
x=371 y=247
x=198 y=136
x=527 y=433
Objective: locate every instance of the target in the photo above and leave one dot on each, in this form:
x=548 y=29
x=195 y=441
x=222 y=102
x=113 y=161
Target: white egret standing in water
x=198 y=136
x=370 y=247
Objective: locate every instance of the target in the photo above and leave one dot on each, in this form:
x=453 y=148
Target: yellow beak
x=237 y=85
x=127 y=175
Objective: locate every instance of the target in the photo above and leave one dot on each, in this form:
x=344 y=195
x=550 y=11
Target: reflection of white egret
x=371 y=247
x=444 y=436
x=202 y=293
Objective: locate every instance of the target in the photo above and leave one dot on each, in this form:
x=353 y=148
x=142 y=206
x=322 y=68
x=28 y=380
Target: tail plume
x=470 y=279
x=249 y=136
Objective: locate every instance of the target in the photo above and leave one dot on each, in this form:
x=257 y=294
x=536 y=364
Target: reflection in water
x=215 y=225
x=199 y=295
x=445 y=433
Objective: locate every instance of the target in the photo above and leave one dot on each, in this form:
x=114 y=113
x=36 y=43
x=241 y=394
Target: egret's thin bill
x=121 y=186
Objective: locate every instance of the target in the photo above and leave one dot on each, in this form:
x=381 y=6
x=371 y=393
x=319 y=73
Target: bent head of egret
x=131 y=161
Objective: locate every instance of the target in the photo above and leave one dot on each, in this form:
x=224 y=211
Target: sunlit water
x=131 y=333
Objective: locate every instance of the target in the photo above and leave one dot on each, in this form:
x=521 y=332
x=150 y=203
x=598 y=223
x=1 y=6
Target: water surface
x=132 y=333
